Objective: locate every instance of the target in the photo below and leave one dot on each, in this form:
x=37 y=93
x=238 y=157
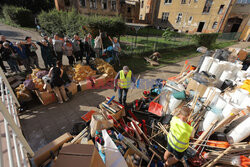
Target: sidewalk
x=44 y=123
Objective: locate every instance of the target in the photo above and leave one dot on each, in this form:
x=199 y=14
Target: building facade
x=191 y=16
x=128 y=9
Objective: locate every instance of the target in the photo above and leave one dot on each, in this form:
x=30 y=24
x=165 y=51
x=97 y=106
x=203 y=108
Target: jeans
x=45 y=60
x=59 y=56
x=13 y=65
x=116 y=56
x=2 y=65
x=87 y=57
x=26 y=64
x=122 y=95
x=98 y=52
x=71 y=60
x=34 y=61
x=78 y=55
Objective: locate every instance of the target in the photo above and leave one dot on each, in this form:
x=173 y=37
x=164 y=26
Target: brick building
x=128 y=9
x=193 y=16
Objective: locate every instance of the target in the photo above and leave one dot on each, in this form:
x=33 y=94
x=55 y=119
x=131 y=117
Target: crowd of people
x=52 y=50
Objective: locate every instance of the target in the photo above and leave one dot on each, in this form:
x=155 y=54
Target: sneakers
x=60 y=102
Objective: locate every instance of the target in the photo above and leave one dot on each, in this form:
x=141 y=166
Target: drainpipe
x=224 y=16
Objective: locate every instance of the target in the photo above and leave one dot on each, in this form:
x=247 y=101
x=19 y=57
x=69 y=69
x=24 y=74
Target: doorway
x=235 y=28
x=200 y=27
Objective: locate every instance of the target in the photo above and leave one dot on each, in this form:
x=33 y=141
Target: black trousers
x=2 y=65
x=71 y=60
x=59 y=56
x=78 y=55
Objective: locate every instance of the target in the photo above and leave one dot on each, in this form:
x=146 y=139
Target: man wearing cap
x=123 y=81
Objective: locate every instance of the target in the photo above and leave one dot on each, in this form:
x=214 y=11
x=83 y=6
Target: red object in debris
x=155 y=108
x=87 y=117
x=144 y=126
x=133 y=116
x=245 y=162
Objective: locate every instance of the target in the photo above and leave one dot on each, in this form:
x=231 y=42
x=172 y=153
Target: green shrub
x=113 y=26
x=18 y=15
x=71 y=22
x=206 y=40
x=36 y=6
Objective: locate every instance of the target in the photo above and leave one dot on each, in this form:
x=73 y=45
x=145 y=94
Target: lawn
x=171 y=51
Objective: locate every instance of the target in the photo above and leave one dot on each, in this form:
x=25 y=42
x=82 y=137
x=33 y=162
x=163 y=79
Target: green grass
x=171 y=52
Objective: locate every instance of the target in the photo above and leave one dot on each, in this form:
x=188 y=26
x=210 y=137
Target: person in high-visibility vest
x=122 y=82
x=178 y=136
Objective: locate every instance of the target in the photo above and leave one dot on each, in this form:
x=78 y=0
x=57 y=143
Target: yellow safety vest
x=125 y=82
x=179 y=134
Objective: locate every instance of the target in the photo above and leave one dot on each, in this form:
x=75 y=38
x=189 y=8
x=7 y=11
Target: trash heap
x=77 y=78
x=218 y=93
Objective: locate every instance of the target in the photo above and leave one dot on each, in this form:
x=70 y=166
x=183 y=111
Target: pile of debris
x=77 y=78
x=218 y=93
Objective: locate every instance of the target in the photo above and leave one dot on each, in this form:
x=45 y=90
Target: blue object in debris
x=112 y=98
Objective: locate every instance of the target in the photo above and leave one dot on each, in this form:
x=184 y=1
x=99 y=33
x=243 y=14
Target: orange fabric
x=220 y=144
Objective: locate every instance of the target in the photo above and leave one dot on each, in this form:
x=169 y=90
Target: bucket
x=209 y=118
x=214 y=67
x=206 y=64
x=219 y=104
x=239 y=96
x=240 y=132
x=174 y=103
x=228 y=109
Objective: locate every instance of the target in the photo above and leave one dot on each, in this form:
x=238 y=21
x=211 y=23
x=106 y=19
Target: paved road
x=45 y=123
x=14 y=34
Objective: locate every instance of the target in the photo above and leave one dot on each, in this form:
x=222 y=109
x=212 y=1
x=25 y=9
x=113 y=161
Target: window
x=215 y=25
x=195 y=1
x=221 y=9
x=104 y=4
x=190 y=19
x=83 y=3
x=243 y=1
x=113 y=4
x=140 y=18
x=168 y=1
x=142 y=3
x=129 y=10
x=164 y=16
x=179 y=18
x=92 y=4
x=183 y=1
x=207 y=6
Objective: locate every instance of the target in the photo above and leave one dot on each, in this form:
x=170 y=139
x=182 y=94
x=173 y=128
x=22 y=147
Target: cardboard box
x=72 y=87
x=43 y=154
x=79 y=155
x=85 y=85
x=114 y=105
x=196 y=86
x=242 y=55
x=46 y=98
x=100 y=81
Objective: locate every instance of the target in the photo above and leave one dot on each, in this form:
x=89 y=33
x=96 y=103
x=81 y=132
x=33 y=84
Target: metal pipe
x=6 y=129
x=10 y=109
